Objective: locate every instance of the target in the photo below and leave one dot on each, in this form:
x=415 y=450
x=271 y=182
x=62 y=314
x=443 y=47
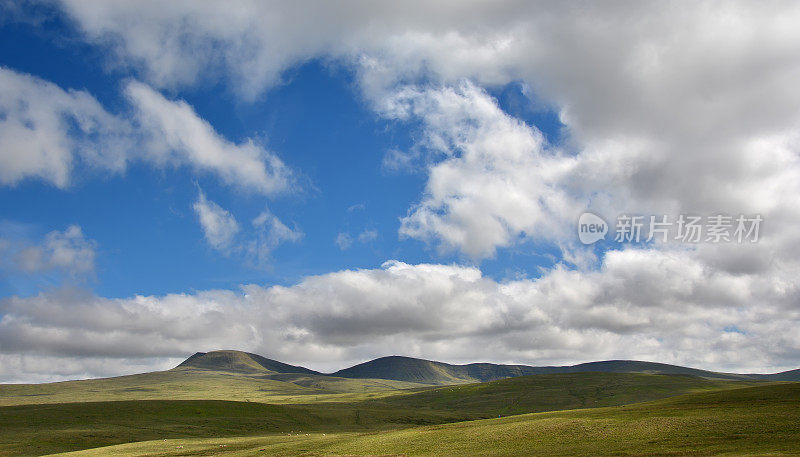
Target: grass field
x=761 y=420
x=187 y=384
x=44 y=427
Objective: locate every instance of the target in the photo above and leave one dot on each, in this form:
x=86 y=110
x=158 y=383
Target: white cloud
x=344 y=241
x=176 y=134
x=492 y=179
x=26 y=368
x=368 y=235
x=624 y=96
x=356 y=207
x=219 y=226
x=68 y=251
x=642 y=304
x=667 y=109
x=270 y=233
x=659 y=112
x=45 y=131
x=223 y=233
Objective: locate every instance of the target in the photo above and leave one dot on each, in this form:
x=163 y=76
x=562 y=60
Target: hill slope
x=239 y=362
x=635 y=366
x=203 y=378
x=45 y=428
x=438 y=373
x=551 y=392
x=429 y=372
x=763 y=420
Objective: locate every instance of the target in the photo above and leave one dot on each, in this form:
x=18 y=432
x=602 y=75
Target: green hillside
x=762 y=420
x=553 y=392
x=239 y=362
x=635 y=366
x=42 y=428
x=429 y=372
x=231 y=395
x=199 y=384
x=240 y=376
x=792 y=375
x=438 y=373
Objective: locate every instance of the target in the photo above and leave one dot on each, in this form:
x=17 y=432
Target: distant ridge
x=429 y=372
x=409 y=369
x=239 y=362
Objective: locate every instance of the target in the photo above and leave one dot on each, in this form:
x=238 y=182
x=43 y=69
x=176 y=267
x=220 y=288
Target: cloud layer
x=642 y=304
x=666 y=109
x=670 y=109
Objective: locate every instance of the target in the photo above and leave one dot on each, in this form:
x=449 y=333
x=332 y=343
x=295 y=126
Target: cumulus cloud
x=219 y=226
x=492 y=179
x=26 y=368
x=174 y=133
x=46 y=132
x=642 y=304
x=666 y=110
x=223 y=233
x=270 y=233
x=623 y=96
x=69 y=251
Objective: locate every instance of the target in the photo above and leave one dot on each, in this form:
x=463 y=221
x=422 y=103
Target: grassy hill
x=792 y=375
x=246 y=400
x=239 y=362
x=553 y=392
x=408 y=369
x=437 y=373
x=240 y=376
x=635 y=366
x=761 y=420
x=45 y=428
x=187 y=383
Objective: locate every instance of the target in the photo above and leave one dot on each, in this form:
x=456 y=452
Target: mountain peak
x=238 y=362
x=410 y=369
x=421 y=371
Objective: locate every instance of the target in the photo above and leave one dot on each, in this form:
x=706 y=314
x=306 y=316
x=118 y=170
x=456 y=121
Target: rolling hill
x=217 y=375
x=235 y=395
x=760 y=420
x=241 y=376
x=429 y=372
x=551 y=392
x=239 y=362
x=438 y=373
x=36 y=429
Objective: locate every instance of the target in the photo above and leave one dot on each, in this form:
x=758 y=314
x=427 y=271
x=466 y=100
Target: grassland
x=761 y=420
x=42 y=427
x=190 y=384
x=553 y=392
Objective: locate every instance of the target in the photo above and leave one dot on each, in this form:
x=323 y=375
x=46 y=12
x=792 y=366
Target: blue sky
x=315 y=121
x=324 y=186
